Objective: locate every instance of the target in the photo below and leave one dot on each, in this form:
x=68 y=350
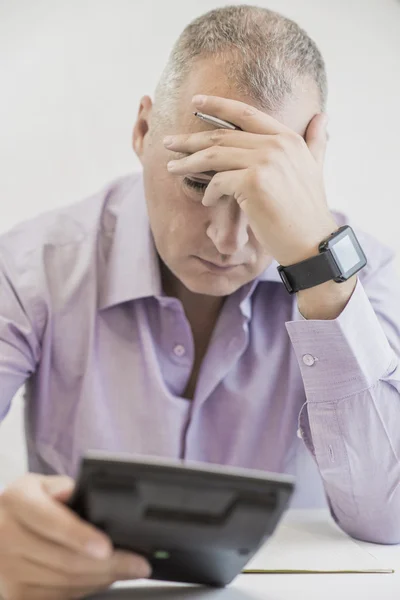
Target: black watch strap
x=309 y=273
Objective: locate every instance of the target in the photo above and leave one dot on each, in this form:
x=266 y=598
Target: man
x=152 y=319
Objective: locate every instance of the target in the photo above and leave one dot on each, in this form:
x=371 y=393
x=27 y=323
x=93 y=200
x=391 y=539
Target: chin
x=211 y=285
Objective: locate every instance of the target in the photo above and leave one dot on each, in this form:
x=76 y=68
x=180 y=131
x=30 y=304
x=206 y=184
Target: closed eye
x=196 y=185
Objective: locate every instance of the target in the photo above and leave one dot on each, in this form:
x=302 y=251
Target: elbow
x=376 y=529
x=387 y=537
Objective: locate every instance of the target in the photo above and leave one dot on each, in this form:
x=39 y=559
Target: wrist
x=327 y=300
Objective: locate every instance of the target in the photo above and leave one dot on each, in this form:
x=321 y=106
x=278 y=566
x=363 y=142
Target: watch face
x=347 y=253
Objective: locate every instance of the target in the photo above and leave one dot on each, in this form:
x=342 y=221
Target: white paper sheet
x=312 y=547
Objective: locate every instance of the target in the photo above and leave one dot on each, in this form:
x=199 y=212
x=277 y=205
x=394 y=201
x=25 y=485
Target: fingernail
x=98 y=549
x=168 y=140
x=171 y=165
x=199 y=99
x=139 y=568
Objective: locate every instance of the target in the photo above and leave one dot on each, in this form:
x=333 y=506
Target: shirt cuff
x=342 y=356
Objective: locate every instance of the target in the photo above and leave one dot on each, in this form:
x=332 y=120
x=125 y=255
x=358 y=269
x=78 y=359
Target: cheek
x=188 y=215
x=178 y=223
x=186 y=229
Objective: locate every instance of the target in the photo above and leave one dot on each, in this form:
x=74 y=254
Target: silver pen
x=215 y=121
x=218 y=123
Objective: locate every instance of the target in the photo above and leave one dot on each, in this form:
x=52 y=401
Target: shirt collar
x=271 y=273
x=132 y=268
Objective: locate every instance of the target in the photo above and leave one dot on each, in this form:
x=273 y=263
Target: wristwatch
x=340 y=257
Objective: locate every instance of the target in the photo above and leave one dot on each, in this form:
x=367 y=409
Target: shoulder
x=54 y=245
x=70 y=227
x=70 y=224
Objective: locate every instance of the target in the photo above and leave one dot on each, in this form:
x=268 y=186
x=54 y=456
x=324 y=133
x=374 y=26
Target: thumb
x=317 y=137
x=59 y=487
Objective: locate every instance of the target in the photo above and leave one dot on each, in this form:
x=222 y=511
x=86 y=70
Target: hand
x=47 y=552
x=274 y=175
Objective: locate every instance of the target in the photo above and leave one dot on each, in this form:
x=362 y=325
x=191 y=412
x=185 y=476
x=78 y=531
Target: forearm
x=355 y=443
x=351 y=378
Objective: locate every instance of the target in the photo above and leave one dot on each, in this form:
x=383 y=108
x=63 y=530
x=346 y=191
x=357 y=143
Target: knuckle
x=298 y=141
x=292 y=139
x=282 y=140
x=257 y=176
x=210 y=154
x=215 y=183
x=264 y=158
x=248 y=111
x=19 y=490
x=218 y=136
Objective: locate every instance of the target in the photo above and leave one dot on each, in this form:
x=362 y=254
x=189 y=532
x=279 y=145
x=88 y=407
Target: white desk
x=282 y=587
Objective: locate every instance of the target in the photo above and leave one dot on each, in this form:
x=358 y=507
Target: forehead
x=208 y=76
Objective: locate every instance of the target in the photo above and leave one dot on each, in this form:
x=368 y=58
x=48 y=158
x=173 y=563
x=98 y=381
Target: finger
x=222 y=184
x=212 y=159
x=33 y=592
x=240 y=186
x=33 y=508
x=29 y=573
x=37 y=592
x=193 y=142
x=45 y=553
x=247 y=117
x=59 y=487
x=316 y=137
x=121 y=566
x=127 y=565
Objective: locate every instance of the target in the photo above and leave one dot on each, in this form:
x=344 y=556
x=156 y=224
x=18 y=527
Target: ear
x=317 y=137
x=141 y=126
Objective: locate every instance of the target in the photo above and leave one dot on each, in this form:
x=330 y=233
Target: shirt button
x=179 y=350
x=309 y=360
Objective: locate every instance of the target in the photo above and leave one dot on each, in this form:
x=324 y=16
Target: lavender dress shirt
x=106 y=355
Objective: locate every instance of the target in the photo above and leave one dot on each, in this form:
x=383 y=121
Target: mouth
x=217 y=268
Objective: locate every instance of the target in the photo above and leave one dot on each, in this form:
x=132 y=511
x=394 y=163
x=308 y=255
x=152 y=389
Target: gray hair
x=264 y=54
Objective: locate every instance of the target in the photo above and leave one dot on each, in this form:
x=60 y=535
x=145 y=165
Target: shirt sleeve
x=351 y=420
x=21 y=323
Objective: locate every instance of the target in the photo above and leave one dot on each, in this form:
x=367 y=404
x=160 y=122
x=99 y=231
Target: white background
x=72 y=74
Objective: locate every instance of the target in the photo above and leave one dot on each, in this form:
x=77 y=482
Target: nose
x=228 y=227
